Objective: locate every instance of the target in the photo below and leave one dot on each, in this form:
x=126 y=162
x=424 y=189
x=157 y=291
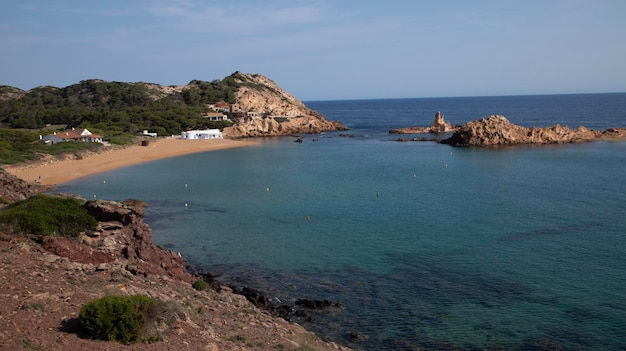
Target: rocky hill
x=268 y=110
x=497 y=130
x=256 y=106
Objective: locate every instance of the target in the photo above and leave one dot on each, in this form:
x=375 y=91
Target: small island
x=496 y=130
x=438 y=126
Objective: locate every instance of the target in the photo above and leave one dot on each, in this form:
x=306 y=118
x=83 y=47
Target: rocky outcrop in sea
x=497 y=130
x=438 y=126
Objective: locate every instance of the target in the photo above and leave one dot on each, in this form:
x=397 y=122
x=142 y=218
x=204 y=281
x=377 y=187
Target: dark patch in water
x=550 y=231
x=426 y=285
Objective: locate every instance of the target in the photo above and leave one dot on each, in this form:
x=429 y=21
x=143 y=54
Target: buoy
x=185 y=185
x=308 y=218
x=94 y=196
x=414 y=175
x=104 y=182
x=186 y=205
x=268 y=189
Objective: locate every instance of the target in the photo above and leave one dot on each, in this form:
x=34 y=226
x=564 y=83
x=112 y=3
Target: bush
x=117 y=318
x=200 y=285
x=47 y=215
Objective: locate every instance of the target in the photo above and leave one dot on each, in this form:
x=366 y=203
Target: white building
x=202 y=134
x=72 y=135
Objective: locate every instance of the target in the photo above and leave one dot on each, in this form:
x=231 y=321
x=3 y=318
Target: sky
x=322 y=50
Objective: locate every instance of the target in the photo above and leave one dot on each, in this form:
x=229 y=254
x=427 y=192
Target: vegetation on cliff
x=47 y=215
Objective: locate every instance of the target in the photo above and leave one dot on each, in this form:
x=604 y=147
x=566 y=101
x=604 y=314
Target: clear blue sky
x=327 y=49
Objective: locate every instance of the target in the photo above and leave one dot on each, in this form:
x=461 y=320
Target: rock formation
x=268 y=110
x=13 y=189
x=438 y=126
x=497 y=130
x=121 y=241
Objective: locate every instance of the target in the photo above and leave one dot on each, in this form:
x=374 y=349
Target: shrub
x=47 y=215
x=117 y=318
x=200 y=285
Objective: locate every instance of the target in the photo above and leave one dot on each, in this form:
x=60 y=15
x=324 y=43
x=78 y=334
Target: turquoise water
x=424 y=244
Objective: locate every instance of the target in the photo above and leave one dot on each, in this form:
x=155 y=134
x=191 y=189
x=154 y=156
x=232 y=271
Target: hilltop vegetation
x=111 y=108
x=116 y=110
x=121 y=111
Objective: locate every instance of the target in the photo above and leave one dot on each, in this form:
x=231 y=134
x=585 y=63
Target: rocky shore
x=497 y=131
x=46 y=280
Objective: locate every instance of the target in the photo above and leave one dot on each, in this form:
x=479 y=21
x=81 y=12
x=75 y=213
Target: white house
x=201 y=134
x=72 y=135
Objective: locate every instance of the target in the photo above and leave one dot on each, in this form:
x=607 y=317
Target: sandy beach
x=54 y=171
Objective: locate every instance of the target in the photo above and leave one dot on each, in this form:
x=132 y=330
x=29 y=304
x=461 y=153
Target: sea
x=421 y=245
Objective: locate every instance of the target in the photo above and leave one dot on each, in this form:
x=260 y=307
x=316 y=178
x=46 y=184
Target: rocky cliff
x=121 y=241
x=265 y=109
x=497 y=130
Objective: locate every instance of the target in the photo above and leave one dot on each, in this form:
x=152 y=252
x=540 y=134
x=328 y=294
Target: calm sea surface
x=424 y=244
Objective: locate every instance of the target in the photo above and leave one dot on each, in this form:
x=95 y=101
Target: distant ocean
x=425 y=245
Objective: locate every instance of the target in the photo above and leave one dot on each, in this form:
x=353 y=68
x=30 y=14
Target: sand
x=53 y=171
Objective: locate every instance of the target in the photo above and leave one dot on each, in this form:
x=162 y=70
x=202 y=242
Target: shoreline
x=52 y=170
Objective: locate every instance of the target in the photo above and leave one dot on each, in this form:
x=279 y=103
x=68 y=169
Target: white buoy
x=185 y=185
x=186 y=205
x=268 y=189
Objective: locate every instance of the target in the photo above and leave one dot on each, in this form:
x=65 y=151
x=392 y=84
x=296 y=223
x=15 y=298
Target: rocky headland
x=241 y=105
x=268 y=110
x=44 y=281
x=496 y=130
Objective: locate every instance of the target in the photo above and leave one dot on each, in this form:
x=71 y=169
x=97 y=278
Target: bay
x=425 y=245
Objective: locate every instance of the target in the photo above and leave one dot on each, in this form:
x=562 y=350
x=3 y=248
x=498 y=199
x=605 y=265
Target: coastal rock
x=438 y=126
x=497 y=130
x=265 y=109
x=121 y=237
x=13 y=189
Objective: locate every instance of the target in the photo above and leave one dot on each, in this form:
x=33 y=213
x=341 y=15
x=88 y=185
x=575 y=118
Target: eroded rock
x=497 y=130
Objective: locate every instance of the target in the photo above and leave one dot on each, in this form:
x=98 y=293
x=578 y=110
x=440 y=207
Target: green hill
x=110 y=108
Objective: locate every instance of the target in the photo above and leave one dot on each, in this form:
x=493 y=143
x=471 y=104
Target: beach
x=51 y=170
